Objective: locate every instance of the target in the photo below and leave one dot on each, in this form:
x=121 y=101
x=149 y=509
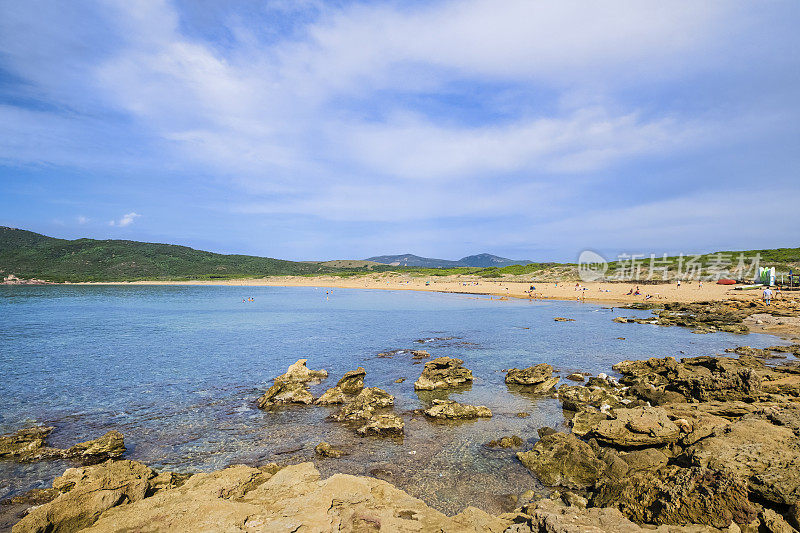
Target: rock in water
x=443 y=373
x=365 y=405
x=383 y=425
x=353 y=381
x=452 y=410
x=285 y=393
x=529 y=376
x=326 y=450
x=562 y=459
x=24 y=442
x=108 y=446
x=419 y=354
x=513 y=441
x=300 y=373
x=563 y=319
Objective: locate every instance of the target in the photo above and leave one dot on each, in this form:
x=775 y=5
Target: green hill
x=30 y=255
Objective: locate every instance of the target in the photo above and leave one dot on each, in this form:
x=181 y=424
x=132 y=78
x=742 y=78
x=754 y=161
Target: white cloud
x=126 y=220
x=82 y=219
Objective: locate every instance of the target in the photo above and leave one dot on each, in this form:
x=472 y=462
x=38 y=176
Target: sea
x=178 y=370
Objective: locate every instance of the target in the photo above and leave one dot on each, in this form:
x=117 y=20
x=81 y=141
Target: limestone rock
x=576 y=377
x=452 y=410
x=577 y=397
x=326 y=450
x=353 y=381
x=560 y=459
x=86 y=493
x=285 y=392
x=443 y=373
x=674 y=495
x=365 y=405
x=334 y=395
x=532 y=375
x=563 y=319
x=639 y=426
x=768 y=456
x=108 y=446
x=23 y=442
x=506 y=442
x=299 y=373
x=419 y=354
x=293 y=499
x=383 y=425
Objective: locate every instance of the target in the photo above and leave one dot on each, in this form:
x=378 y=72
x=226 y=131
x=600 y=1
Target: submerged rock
x=452 y=410
x=561 y=459
x=506 y=442
x=383 y=425
x=326 y=450
x=419 y=354
x=443 y=373
x=563 y=319
x=285 y=393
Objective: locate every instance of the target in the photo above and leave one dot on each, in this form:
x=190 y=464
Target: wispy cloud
x=126 y=220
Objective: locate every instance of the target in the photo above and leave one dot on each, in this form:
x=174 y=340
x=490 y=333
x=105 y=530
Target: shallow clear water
x=177 y=370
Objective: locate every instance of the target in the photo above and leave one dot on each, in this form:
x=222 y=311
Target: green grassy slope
x=30 y=255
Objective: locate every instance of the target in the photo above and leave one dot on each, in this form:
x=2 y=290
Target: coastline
x=601 y=292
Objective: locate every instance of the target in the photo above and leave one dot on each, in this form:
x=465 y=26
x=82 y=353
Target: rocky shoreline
x=700 y=444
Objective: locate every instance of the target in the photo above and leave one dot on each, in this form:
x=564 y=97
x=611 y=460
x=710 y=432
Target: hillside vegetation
x=31 y=255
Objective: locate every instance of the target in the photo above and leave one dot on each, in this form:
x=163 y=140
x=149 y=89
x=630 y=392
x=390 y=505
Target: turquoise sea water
x=177 y=370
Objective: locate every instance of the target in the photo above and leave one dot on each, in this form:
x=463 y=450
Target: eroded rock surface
x=282 y=393
x=299 y=373
x=443 y=373
x=29 y=445
x=563 y=459
x=452 y=410
x=539 y=378
x=242 y=498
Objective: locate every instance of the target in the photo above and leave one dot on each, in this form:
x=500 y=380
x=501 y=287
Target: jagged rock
x=443 y=373
x=353 y=381
x=108 y=446
x=86 y=493
x=299 y=373
x=561 y=459
x=674 y=495
x=326 y=450
x=585 y=420
x=645 y=459
x=576 y=397
x=383 y=425
x=291 y=499
x=399 y=380
x=639 y=426
x=334 y=395
x=775 y=523
x=576 y=377
x=24 y=442
x=699 y=378
x=285 y=392
x=550 y=516
x=365 y=405
x=532 y=375
x=768 y=456
x=452 y=410
x=506 y=442
x=419 y=354
x=29 y=445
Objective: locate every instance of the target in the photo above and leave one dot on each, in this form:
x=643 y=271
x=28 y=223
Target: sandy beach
x=568 y=290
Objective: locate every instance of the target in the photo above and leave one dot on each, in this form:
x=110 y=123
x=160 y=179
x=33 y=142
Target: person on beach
x=767 y=295
x=679 y=284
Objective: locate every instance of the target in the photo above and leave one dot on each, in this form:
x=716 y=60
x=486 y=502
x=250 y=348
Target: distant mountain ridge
x=475 y=261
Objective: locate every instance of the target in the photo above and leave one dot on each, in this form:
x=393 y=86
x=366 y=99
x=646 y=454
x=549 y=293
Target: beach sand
x=594 y=291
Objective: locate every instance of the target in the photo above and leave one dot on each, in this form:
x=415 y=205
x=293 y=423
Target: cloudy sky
x=319 y=130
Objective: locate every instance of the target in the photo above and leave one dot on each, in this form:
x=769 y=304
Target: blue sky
x=321 y=130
